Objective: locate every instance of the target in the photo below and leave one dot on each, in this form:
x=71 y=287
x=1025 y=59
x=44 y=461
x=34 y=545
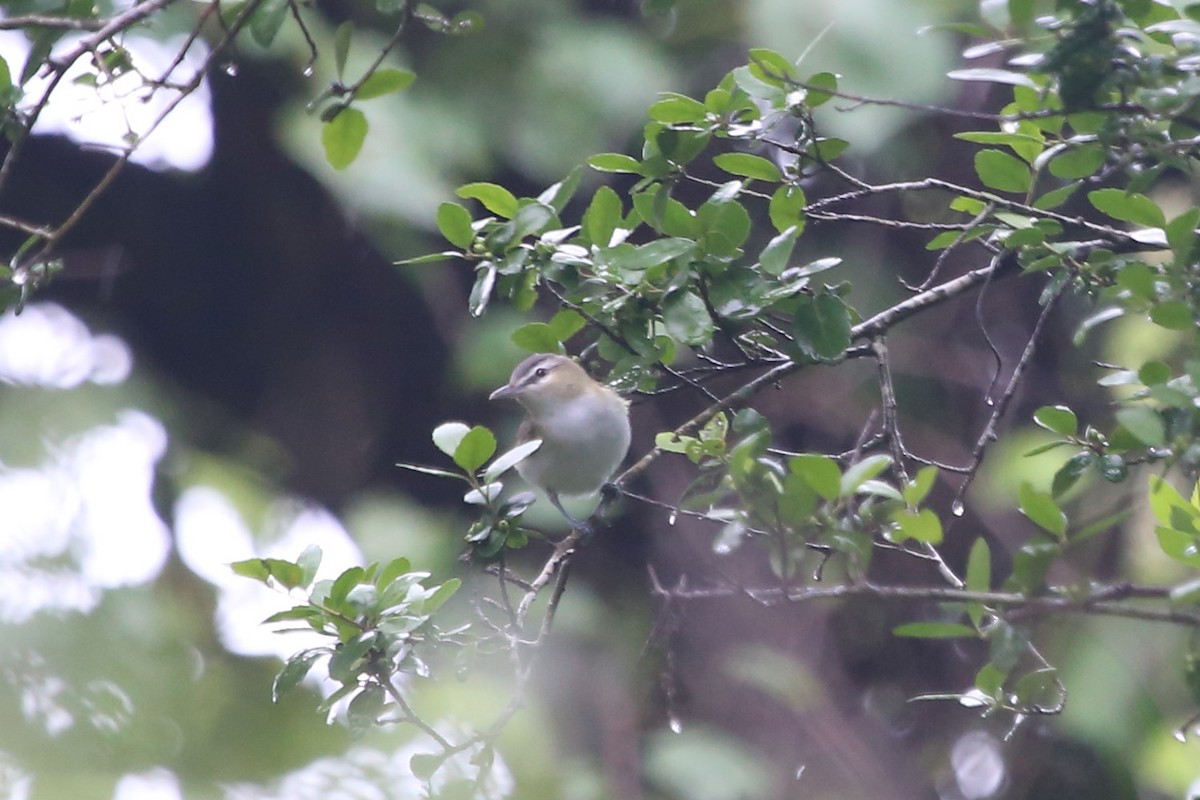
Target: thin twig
x=1044 y=604
x=989 y=430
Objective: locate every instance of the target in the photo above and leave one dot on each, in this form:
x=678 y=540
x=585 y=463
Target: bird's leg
x=577 y=524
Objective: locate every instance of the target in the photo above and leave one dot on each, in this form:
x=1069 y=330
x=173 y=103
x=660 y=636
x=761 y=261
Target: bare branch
x=1059 y=601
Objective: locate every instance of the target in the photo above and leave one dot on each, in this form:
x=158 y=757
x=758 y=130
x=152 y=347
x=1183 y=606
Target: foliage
x=674 y=294
x=703 y=262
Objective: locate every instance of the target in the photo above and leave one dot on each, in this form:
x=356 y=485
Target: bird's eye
x=540 y=372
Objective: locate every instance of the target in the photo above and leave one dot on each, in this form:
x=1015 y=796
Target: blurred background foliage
x=229 y=365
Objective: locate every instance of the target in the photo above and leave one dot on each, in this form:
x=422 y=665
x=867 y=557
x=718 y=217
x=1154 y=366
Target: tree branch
x=1059 y=600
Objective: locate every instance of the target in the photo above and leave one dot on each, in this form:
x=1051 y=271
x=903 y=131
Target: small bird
x=583 y=425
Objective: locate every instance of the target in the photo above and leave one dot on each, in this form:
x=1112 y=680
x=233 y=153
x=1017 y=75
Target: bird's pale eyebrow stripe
x=531 y=371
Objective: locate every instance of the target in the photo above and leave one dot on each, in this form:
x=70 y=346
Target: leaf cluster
x=378 y=621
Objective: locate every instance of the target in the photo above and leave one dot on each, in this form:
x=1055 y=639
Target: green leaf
x=770 y=66
x=424 y=765
x=1026 y=146
x=651 y=254
x=820 y=472
x=686 y=318
x=537 y=337
x=530 y=218
x=724 y=227
x=1131 y=207
x=749 y=166
x=998 y=170
x=821 y=87
x=858 y=474
x=343 y=137
x=602 y=216
x=923 y=525
x=991 y=75
x=362 y=713
x=666 y=214
x=935 y=630
x=440 y=595
x=1178 y=545
x=1057 y=419
x=979 y=576
x=454 y=223
x=255 y=568
x=829 y=148
x=466 y=22
x=814 y=267
x=990 y=679
x=294 y=671
x=449 y=435
x=1153 y=373
x=1144 y=423
x=494 y=198
x=614 y=162
x=392 y=570
x=343 y=584
x=1181 y=234
x=1186 y=593
x=668 y=442
x=441 y=473
x=266 y=21
x=1078 y=162
x=506 y=461
x=557 y=195
x=1174 y=315
x=1170 y=507
x=475 y=448
x=385 y=81
x=481 y=290
x=1044 y=448
x=920 y=486
x=677 y=109
x=1056 y=197
x=821 y=327
x=566 y=323
x=786 y=208
x=309 y=562
x=347 y=660
x=1030 y=564
x=1069 y=473
x=775 y=256
x=287 y=573
x=429 y=258
x=1041 y=509
x=1138 y=279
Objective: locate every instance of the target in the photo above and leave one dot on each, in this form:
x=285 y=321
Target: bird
x=583 y=426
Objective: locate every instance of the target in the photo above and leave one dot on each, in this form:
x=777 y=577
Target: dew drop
x=673 y=518
x=230 y=69
x=800 y=770
x=1180 y=735
x=957 y=509
x=675 y=724
x=989 y=401
x=308 y=71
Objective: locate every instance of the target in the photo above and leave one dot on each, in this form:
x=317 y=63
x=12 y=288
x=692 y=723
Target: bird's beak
x=507 y=390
